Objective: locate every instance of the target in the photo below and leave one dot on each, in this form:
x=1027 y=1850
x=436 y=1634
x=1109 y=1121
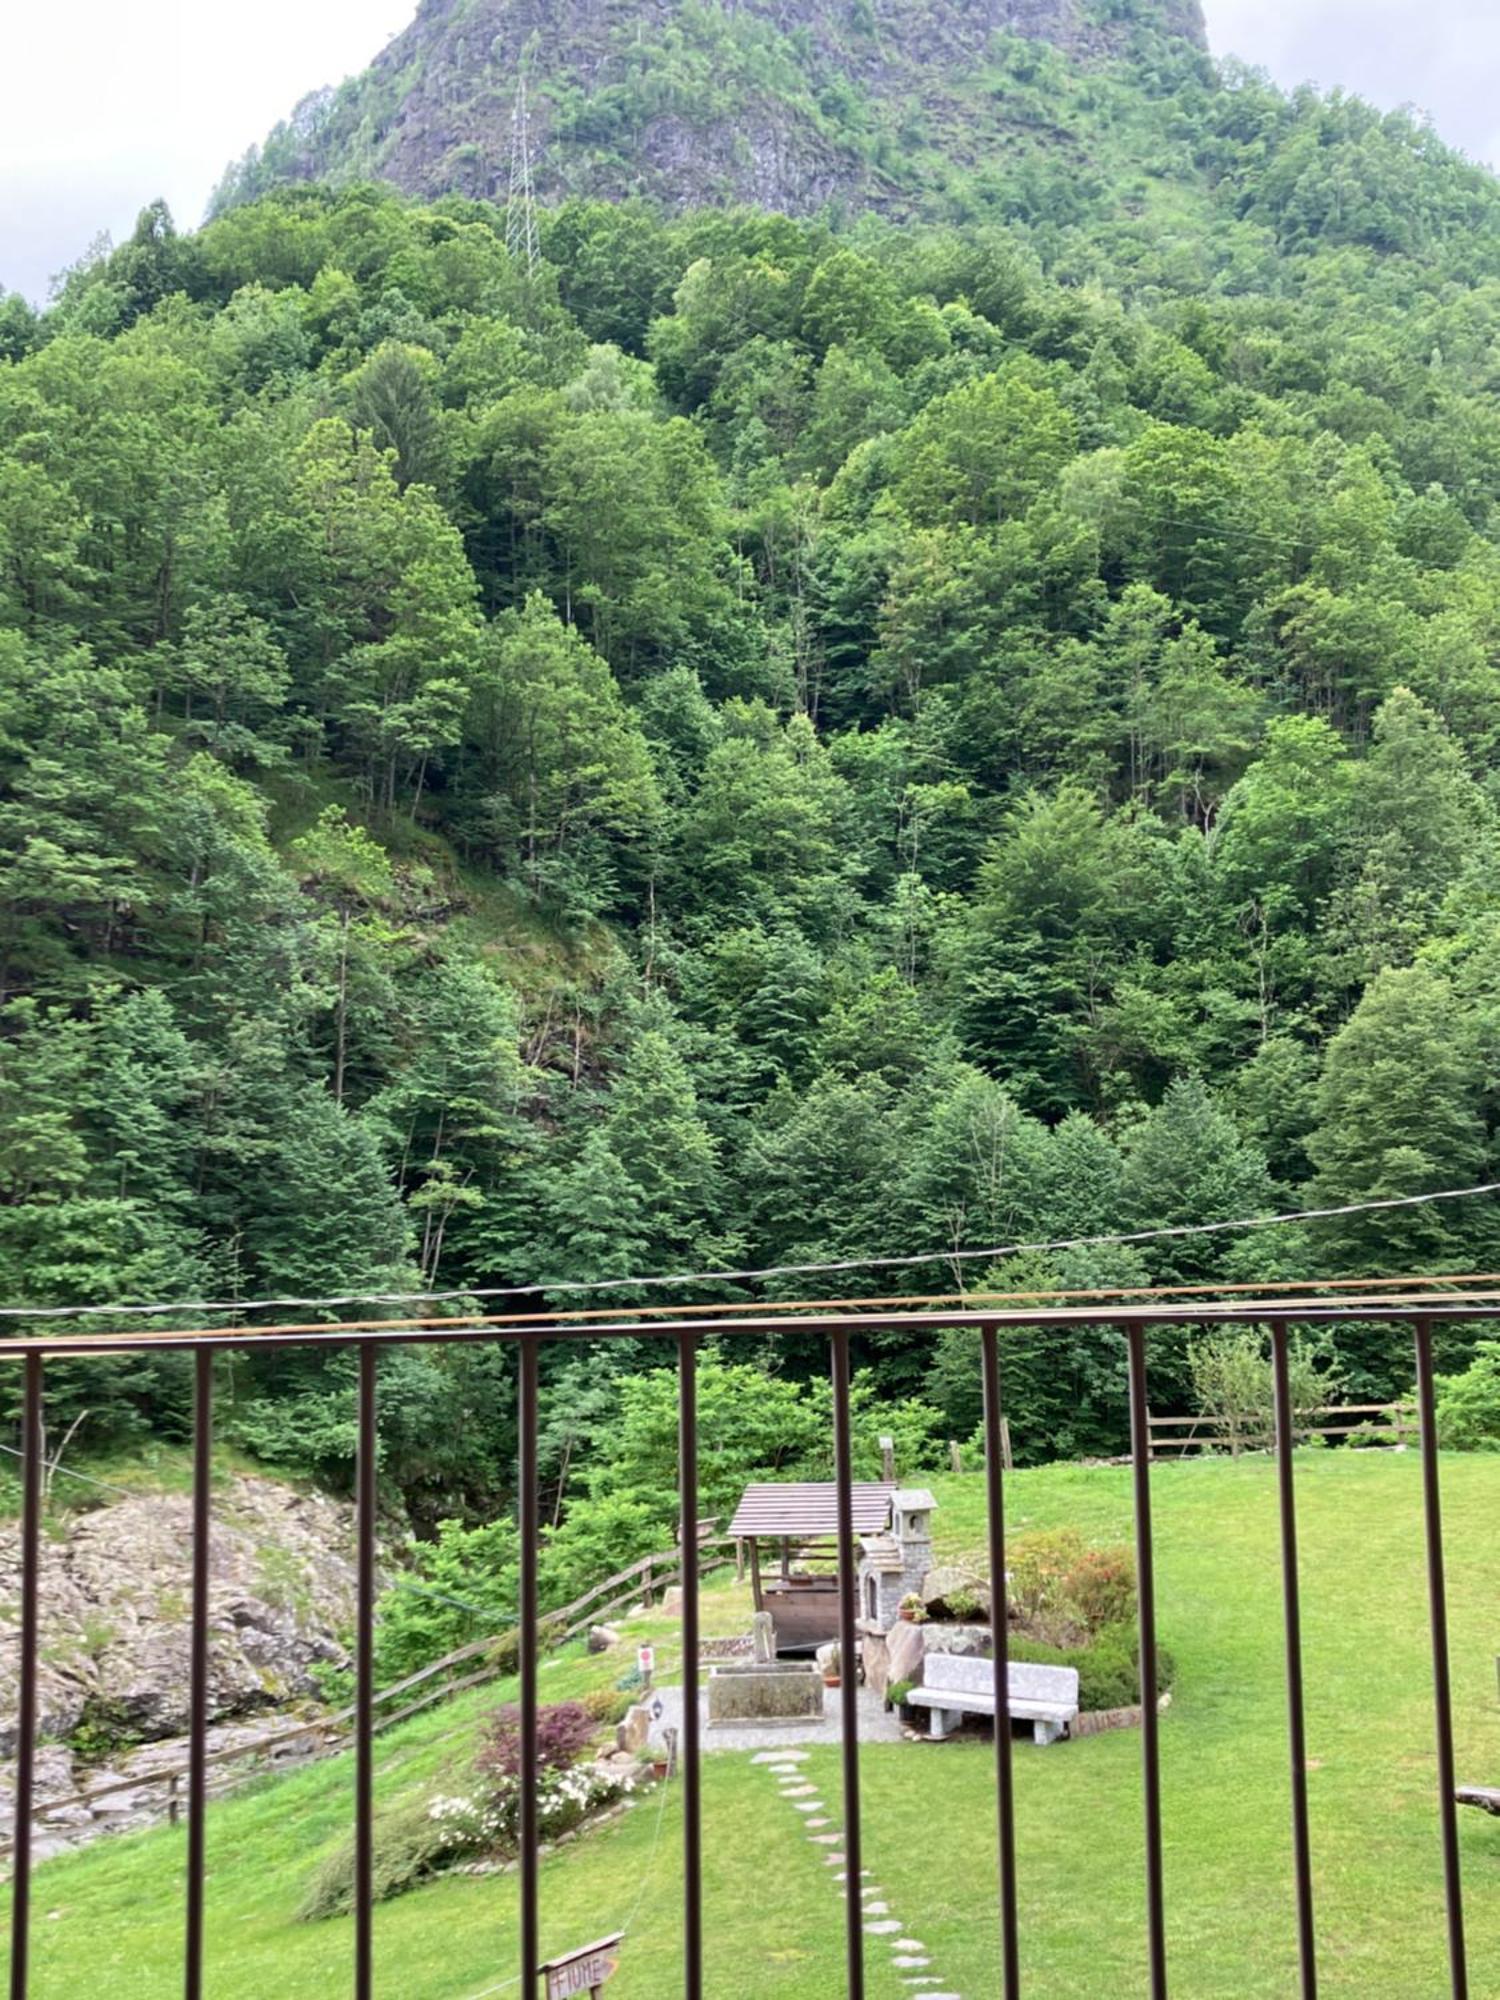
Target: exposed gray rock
x=115 y=1595
x=906 y=1645
x=948 y=1581
x=968 y=1641
x=632 y=1734
x=433 y=113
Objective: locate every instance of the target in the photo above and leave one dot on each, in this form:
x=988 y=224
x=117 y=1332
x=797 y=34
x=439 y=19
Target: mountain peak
x=794 y=105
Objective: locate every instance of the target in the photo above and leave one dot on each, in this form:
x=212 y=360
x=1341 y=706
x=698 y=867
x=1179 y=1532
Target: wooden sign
x=582 y=1971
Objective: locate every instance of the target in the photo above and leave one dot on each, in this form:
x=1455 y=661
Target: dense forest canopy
x=755 y=742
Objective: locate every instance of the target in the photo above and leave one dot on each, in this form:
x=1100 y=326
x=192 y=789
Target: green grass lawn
x=108 y=1920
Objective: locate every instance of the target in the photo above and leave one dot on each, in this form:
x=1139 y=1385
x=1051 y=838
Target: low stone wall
x=1097 y=1721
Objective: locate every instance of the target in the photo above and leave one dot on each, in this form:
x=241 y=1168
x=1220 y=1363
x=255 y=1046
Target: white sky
x=105 y=104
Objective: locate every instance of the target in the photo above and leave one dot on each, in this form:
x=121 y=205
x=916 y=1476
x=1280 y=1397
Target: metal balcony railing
x=1418 y=1308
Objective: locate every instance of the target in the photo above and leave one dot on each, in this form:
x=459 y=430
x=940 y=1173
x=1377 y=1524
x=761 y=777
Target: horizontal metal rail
x=1420 y=1306
x=1312 y=1309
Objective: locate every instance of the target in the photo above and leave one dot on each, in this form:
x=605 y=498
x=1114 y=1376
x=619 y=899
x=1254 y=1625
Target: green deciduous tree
x=564 y=763
x=1398 y=1113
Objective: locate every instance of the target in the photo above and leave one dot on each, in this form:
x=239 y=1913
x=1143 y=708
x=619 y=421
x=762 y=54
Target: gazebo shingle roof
x=776 y=1510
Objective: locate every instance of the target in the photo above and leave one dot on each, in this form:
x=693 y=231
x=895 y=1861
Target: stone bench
x=954 y=1686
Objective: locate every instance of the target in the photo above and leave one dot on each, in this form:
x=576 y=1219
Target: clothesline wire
x=574 y=1287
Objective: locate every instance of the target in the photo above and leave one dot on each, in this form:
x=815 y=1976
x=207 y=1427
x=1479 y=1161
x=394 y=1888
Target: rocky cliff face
x=788 y=104
x=114 y=1611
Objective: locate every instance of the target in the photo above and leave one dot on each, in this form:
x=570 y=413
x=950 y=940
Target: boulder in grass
x=955 y=1593
x=905 y=1646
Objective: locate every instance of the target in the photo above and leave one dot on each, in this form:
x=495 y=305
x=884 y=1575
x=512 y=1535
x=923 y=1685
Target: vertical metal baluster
x=1286 y=1439
x=364 y=1693
x=1145 y=1563
x=31 y=1527
x=531 y=1531
x=692 y=1798
x=843 y=1460
x=203 y=1443
x=1437 y=1598
x=994 y=1467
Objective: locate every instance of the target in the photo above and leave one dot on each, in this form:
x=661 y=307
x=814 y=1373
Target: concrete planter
x=765 y=1691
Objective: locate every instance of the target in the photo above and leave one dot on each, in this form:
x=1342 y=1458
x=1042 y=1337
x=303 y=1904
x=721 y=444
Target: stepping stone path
x=908 y=1954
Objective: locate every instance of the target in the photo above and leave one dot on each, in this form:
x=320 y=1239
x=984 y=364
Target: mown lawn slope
x=108 y=1920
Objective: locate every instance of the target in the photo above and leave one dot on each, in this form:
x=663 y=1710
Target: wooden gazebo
x=802 y=1524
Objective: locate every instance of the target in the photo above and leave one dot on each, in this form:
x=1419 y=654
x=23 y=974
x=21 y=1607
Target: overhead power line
x=577 y=1286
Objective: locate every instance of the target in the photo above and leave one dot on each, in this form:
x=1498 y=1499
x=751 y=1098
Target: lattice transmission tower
x=520 y=209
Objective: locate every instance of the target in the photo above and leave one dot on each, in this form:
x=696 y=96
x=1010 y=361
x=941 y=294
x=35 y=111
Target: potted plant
x=912 y=1609
x=832 y=1672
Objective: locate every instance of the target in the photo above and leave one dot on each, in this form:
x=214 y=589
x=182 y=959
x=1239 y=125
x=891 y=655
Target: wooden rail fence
x=1394 y=1424
x=639 y=1583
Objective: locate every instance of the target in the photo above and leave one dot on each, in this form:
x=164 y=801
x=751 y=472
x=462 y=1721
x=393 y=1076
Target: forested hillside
x=751 y=744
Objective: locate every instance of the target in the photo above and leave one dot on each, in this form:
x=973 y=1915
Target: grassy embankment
x=109 y=1920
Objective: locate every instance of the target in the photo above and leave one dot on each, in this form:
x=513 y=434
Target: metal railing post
x=692 y=1797
x=843 y=1462
x=529 y=1635
x=364 y=1692
x=1437 y=1601
x=1286 y=1439
x=994 y=1469
x=203 y=1422
x=1145 y=1563
x=32 y=1446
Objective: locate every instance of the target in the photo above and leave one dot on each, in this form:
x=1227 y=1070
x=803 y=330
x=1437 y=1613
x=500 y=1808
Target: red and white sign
x=645 y=1659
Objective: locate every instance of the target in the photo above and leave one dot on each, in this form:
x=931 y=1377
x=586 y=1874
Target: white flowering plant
x=420 y=1839
x=565 y=1799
